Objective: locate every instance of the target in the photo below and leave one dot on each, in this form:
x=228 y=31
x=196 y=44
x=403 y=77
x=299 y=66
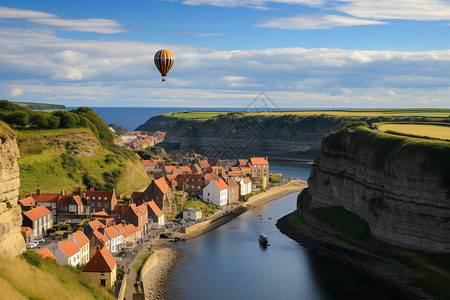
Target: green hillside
x=41 y=106
x=31 y=277
x=78 y=151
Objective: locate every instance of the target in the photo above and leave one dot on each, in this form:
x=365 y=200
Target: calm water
x=290 y=169
x=228 y=263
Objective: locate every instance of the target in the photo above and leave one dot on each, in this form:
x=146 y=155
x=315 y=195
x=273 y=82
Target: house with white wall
x=245 y=185
x=68 y=253
x=82 y=241
x=115 y=237
x=216 y=192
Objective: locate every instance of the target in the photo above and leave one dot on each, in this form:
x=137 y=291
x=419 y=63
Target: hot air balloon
x=163 y=62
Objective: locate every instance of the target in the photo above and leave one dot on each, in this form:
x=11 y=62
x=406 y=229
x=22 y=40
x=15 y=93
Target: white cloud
x=302 y=22
x=197 y=34
x=255 y=4
x=122 y=73
x=43 y=18
x=16 y=92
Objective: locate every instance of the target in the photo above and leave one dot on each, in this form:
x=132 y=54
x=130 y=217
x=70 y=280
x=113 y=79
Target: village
x=97 y=231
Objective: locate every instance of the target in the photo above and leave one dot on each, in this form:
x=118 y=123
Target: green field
x=420 y=130
x=430 y=113
x=207 y=209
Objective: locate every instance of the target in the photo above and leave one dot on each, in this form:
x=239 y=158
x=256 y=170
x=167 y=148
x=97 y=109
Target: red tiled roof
x=100 y=214
x=65 y=200
x=247 y=180
x=46 y=253
x=80 y=238
x=185 y=169
x=232 y=183
x=155 y=208
x=220 y=184
x=126 y=230
x=102 y=261
x=142 y=208
x=37 y=212
x=112 y=232
x=170 y=168
x=69 y=248
x=148 y=163
x=196 y=168
x=28 y=201
x=99 y=194
x=235 y=169
x=120 y=208
x=203 y=163
x=96 y=225
x=26 y=231
x=259 y=161
x=46 y=197
x=242 y=162
x=162 y=185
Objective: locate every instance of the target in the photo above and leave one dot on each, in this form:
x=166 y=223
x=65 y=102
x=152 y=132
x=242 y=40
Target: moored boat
x=263 y=239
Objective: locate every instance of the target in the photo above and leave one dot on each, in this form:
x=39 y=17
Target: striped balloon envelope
x=163 y=62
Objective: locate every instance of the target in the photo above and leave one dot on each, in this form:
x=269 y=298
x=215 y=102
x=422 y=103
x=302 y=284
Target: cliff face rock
x=399 y=185
x=11 y=240
x=283 y=136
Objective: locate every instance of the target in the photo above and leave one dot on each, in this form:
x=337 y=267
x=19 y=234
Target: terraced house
x=39 y=219
x=100 y=200
x=81 y=240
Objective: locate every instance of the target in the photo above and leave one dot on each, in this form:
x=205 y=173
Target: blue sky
x=300 y=53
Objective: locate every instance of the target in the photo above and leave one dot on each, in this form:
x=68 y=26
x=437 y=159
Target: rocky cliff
x=232 y=136
x=399 y=185
x=11 y=241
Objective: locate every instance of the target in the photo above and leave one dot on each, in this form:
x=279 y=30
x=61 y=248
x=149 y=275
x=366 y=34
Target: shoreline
x=367 y=265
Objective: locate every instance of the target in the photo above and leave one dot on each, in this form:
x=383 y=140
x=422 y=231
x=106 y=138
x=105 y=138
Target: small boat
x=263 y=239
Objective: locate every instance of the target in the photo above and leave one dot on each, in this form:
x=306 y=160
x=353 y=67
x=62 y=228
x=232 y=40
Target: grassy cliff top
x=435 y=131
x=5 y=129
x=356 y=113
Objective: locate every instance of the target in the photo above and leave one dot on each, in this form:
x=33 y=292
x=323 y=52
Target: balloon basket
x=163 y=79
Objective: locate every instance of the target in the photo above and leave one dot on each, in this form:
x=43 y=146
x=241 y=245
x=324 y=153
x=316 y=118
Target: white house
x=245 y=185
x=216 y=192
x=79 y=238
x=115 y=237
x=192 y=214
x=155 y=214
x=68 y=253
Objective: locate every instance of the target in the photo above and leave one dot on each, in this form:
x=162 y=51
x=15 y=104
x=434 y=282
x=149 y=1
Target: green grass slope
x=31 y=277
x=63 y=159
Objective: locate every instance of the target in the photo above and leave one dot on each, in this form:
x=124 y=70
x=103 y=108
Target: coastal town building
x=49 y=201
x=115 y=237
x=160 y=192
x=245 y=186
x=39 y=219
x=233 y=191
x=101 y=268
x=260 y=171
x=68 y=206
x=155 y=214
x=216 y=192
x=46 y=253
x=192 y=214
x=68 y=253
x=97 y=240
x=100 y=200
x=82 y=241
x=27 y=203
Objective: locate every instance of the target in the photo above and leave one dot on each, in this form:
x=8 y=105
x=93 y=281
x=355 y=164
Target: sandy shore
x=155 y=281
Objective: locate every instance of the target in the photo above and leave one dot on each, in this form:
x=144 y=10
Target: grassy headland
x=32 y=277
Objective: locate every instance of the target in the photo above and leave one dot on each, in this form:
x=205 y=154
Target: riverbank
x=155 y=281
x=368 y=265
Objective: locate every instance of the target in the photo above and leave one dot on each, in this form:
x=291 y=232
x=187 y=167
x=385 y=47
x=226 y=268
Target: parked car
x=31 y=245
x=39 y=240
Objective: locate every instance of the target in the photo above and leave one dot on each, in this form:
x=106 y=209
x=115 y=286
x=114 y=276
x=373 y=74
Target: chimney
x=114 y=191
x=80 y=191
x=71 y=237
x=38 y=192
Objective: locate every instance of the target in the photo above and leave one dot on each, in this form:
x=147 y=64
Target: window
x=93 y=198
x=103 y=281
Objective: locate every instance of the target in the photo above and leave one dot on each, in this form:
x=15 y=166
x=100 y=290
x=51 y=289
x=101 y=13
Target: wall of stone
x=11 y=240
x=405 y=202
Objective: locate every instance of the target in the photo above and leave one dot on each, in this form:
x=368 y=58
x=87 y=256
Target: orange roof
x=26 y=231
x=112 y=232
x=172 y=177
x=245 y=169
x=162 y=185
x=185 y=169
x=242 y=162
x=69 y=248
x=80 y=238
x=235 y=169
x=155 y=208
x=46 y=253
x=99 y=194
x=100 y=214
x=37 y=212
x=126 y=230
x=138 y=155
x=148 y=163
x=247 y=180
x=232 y=183
x=121 y=208
x=170 y=168
x=46 y=197
x=28 y=201
x=259 y=161
x=196 y=168
x=220 y=184
x=102 y=261
x=203 y=163
x=142 y=208
x=96 y=224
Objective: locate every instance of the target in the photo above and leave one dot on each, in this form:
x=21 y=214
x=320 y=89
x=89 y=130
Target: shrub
x=32 y=258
